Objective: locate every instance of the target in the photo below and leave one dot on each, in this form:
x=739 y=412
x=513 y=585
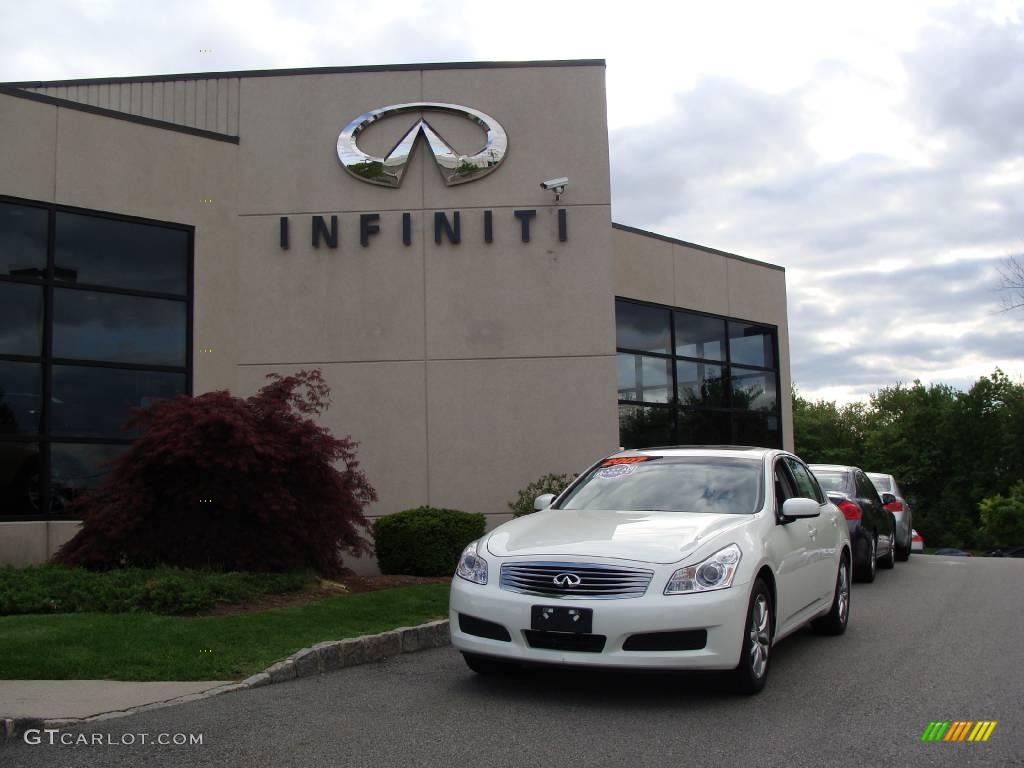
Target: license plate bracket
x=562 y=618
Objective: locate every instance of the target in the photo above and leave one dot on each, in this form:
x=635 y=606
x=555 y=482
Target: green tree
x=1002 y=517
x=948 y=449
x=825 y=433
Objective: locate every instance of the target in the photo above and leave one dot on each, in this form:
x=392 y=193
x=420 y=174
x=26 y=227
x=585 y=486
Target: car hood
x=652 y=537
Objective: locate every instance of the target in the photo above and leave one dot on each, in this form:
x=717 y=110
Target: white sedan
x=682 y=558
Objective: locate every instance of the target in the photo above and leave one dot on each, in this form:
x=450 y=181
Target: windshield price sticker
x=616 y=470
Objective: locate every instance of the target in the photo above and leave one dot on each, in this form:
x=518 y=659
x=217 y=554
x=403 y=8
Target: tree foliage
x=227 y=483
x=550 y=483
x=1002 y=517
x=948 y=449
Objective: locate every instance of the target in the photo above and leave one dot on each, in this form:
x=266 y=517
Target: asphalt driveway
x=936 y=639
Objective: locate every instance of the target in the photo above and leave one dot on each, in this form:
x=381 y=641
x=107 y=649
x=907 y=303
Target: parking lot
x=938 y=638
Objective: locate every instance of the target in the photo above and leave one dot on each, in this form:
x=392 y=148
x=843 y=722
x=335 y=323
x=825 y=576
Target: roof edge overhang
x=242 y=73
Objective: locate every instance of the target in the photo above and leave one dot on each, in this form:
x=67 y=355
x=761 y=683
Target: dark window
x=644 y=379
x=700 y=383
x=699 y=426
x=91 y=325
x=751 y=344
x=643 y=425
x=21 y=394
x=20 y=484
x=865 y=489
x=805 y=483
x=753 y=390
x=77 y=466
x=757 y=429
x=833 y=481
x=706 y=379
x=22 y=241
x=100 y=251
x=74 y=360
x=96 y=402
x=643 y=328
x=21 y=319
x=700 y=336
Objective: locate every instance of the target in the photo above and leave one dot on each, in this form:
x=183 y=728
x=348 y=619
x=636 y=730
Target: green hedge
x=551 y=483
x=425 y=541
x=60 y=589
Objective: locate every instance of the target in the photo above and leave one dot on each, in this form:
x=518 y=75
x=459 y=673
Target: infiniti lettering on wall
x=324 y=230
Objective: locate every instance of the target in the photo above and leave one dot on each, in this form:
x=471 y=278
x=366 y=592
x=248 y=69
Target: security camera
x=556 y=185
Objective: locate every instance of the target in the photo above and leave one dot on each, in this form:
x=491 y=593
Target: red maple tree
x=227 y=483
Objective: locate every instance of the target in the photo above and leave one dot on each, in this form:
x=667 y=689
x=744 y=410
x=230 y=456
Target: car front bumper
x=722 y=613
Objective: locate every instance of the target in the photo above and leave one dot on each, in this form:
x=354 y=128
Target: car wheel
x=889 y=561
x=487 y=665
x=834 y=622
x=751 y=673
x=867 y=574
x=903 y=554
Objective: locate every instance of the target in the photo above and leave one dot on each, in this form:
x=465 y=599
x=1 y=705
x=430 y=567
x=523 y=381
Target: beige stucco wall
x=465 y=371
x=656 y=269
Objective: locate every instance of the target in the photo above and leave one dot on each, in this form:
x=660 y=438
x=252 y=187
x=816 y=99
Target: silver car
x=892 y=498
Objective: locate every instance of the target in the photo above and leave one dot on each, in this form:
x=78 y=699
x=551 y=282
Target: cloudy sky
x=874 y=149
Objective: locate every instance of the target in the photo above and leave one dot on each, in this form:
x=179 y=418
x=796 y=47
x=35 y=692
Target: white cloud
x=872 y=148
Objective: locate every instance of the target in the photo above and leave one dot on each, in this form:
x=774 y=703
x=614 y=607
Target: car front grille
x=574 y=580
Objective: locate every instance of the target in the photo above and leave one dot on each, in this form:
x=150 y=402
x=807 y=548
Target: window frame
x=44 y=438
x=674 y=404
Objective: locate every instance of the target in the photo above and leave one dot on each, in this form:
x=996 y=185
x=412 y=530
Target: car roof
x=700 y=450
x=880 y=474
x=834 y=467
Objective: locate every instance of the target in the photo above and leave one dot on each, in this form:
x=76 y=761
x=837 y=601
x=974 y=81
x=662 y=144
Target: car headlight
x=716 y=572
x=472 y=567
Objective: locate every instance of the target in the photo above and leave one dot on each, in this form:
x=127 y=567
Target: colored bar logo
x=958 y=730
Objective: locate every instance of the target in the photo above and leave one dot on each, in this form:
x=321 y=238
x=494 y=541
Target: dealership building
x=436 y=239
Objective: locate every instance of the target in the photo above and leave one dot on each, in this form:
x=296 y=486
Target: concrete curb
x=322 y=657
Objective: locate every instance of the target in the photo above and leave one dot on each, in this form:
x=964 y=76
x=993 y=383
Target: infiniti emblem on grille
x=569 y=580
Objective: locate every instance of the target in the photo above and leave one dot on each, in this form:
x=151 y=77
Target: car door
x=876 y=515
x=824 y=530
x=792 y=551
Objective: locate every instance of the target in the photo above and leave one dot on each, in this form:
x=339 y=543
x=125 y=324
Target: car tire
x=870 y=568
x=487 y=665
x=889 y=561
x=834 y=622
x=751 y=674
x=903 y=554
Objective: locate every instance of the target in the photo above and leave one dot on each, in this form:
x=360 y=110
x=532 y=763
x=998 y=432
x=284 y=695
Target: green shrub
x=523 y=505
x=1002 y=517
x=55 y=588
x=425 y=541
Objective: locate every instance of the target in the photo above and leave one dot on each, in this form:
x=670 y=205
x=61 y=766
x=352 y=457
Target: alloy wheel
x=872 y=557
x=843 y=592
x=760 y=636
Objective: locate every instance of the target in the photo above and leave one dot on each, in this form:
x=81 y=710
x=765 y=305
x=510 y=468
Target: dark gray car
x=872 y=526
x=895 y=502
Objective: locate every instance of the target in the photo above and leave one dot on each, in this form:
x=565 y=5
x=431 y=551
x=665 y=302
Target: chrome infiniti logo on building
x=568 y=580
x=455 y=168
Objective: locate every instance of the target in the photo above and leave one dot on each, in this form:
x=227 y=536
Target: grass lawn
x=144 y=646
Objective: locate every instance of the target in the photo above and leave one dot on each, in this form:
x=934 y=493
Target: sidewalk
x=66 y=699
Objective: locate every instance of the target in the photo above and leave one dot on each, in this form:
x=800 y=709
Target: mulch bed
x=346 y=585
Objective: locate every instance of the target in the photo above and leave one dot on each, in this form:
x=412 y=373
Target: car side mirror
x=888 y=498
x=543 y=501
x=800 y=507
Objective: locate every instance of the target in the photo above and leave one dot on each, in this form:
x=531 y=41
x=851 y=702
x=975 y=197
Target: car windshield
x=718 y=485
x=881 y=483
x=831 y=481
